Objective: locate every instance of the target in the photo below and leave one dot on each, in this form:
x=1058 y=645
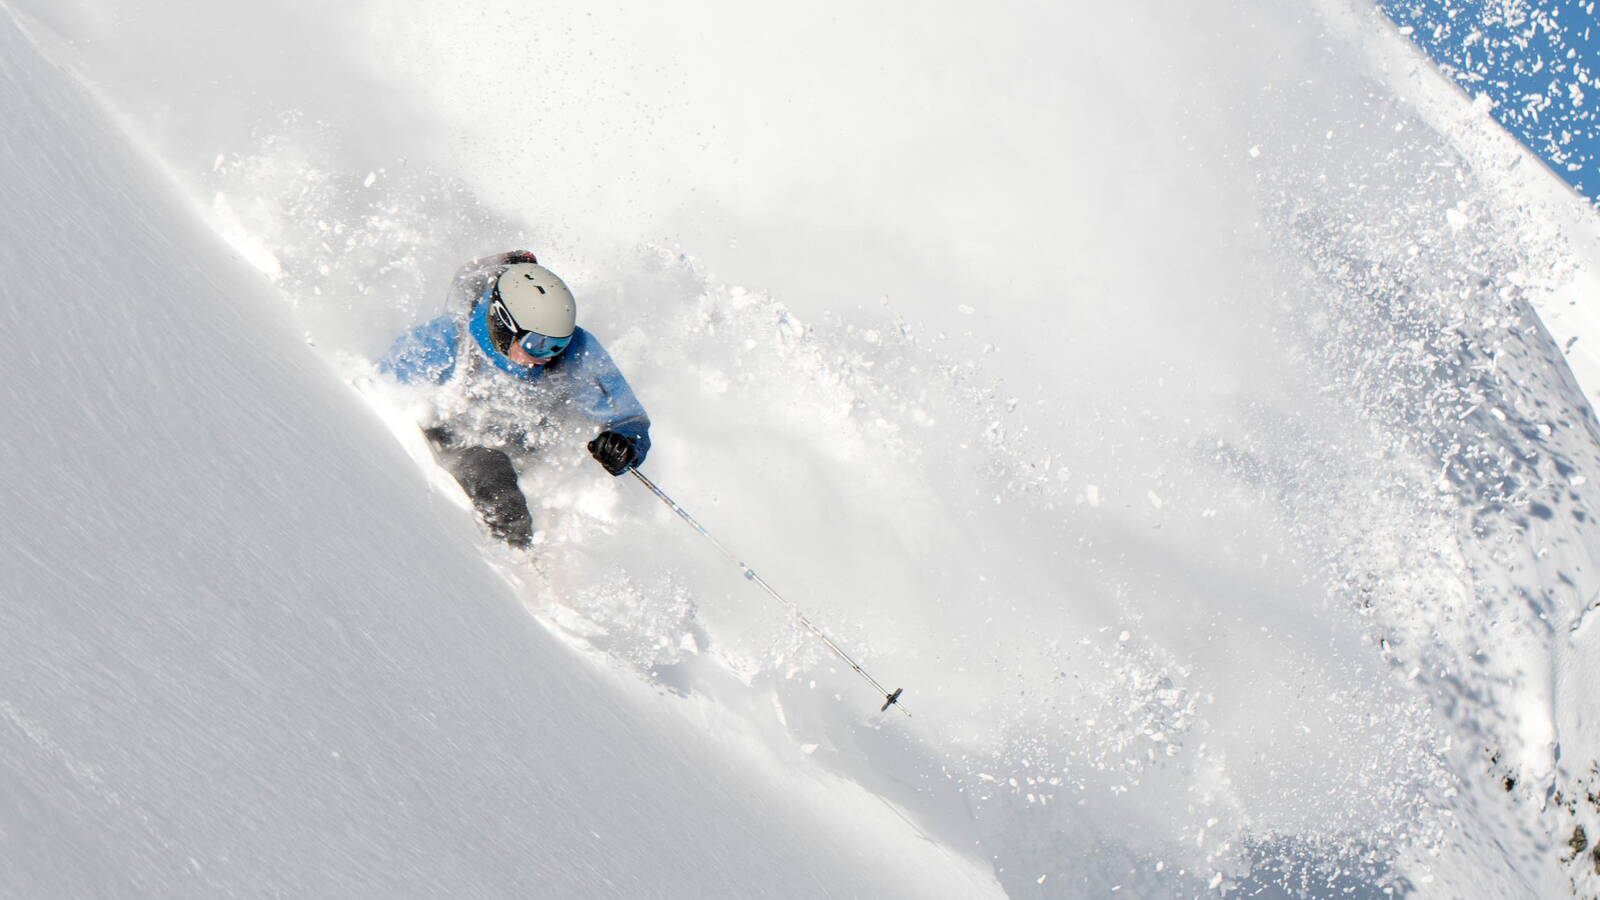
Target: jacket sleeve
x=600 y=393
x=426 y=353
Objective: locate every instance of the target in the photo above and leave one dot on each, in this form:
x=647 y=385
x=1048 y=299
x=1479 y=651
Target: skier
x=510 y=364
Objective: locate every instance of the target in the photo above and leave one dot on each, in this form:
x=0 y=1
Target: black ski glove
x=613 y=451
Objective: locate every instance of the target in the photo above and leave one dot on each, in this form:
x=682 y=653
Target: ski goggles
x=503 y=332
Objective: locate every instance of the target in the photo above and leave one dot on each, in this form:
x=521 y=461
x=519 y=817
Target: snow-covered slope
x=1155 y=391
x=243 y=652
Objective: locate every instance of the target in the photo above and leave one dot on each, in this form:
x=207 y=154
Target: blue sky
x=1539 y=60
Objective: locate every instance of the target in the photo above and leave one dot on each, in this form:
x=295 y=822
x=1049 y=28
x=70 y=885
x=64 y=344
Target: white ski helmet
x=536 y=300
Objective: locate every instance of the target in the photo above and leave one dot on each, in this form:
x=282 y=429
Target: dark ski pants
x=490 y=482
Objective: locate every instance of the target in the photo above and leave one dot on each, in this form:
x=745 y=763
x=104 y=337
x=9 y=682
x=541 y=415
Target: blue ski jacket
x=583 y=379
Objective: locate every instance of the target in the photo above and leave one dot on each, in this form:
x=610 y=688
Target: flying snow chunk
x=1092 y=494
x=965 y=310
x=372 y=178
x=1255 y=151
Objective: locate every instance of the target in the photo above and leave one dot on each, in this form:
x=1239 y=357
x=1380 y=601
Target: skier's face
x=521 y=357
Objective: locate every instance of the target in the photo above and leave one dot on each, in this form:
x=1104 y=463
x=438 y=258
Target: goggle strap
x=500 y=312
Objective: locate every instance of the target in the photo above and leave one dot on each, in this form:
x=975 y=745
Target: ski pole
x=890 y=698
